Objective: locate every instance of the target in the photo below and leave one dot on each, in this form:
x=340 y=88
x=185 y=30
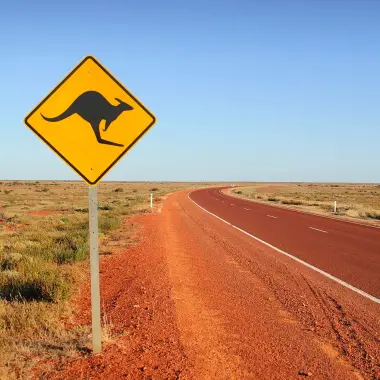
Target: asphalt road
x=348 y=251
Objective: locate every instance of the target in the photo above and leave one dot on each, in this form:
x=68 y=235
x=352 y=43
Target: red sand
x=196 y=299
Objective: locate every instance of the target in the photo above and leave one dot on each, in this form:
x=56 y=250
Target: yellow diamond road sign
x=90 y=120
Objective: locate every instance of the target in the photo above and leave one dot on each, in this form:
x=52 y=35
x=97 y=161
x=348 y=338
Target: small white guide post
x=94 y=263
x=334 y=207
x=151 y=200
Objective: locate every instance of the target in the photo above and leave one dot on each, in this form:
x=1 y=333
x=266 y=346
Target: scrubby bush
x=292 y=202
x=328 y=208
x=82 y=210
x=37 y=282
x=108 y=223
x=10 y=261
x=105 y=208
x=70 y=249
x=373 y=215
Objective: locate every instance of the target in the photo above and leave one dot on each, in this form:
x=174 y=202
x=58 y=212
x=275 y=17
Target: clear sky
x=242 y=90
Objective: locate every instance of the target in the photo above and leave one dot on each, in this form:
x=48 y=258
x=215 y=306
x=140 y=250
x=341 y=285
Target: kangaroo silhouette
x=94 y=107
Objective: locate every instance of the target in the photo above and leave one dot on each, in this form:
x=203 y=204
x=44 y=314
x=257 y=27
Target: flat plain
x=355 y=201
x=44 y=252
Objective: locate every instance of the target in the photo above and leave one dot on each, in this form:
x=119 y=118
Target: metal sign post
x=151 y=200
x=94 y=264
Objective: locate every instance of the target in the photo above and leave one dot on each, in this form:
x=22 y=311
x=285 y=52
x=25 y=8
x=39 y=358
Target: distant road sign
x=90 y=120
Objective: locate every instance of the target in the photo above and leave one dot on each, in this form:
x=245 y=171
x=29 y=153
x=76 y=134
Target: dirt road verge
x=196 y=299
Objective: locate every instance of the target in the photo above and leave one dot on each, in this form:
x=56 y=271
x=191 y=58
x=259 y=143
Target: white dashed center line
x=316 y=229
x=271 y=216
x=246 y=209
x=232 y=204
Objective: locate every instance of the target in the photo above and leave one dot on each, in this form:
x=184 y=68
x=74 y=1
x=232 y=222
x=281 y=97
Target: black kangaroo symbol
x=94 y=107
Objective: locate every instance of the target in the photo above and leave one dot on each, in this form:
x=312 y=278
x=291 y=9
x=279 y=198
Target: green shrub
x=118 y=190
x=37 y=283
x=7 y=192
x=154 y=189
x=68 y=250
x=273 y=199
x=108 y=223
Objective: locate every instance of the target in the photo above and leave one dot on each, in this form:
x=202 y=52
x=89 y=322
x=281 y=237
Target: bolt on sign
x=90 y=120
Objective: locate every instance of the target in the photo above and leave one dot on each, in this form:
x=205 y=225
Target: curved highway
x=350 y=252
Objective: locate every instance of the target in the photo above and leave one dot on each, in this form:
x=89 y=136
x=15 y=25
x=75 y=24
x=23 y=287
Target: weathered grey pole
x=94 y=263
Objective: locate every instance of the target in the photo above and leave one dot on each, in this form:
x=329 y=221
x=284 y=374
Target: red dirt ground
x=12 y=227
x=196 y=299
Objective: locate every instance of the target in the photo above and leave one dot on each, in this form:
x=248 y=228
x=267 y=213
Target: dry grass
x=356 y=201
x=43 y=253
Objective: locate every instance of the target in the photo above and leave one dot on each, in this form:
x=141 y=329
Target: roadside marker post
x=151 y=200
x=73 y=120
x=94 y=265
x=334 y=207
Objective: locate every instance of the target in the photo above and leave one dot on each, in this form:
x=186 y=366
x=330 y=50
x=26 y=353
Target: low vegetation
x=373 y=215
x=43 y=259
x=360 y=201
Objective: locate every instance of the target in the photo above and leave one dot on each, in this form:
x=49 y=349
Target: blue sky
x=243 y=90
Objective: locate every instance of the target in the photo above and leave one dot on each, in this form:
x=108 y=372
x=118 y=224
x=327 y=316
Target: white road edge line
x=246 y=209
x=328 y=275
x=317 y=229
x=274 y=217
